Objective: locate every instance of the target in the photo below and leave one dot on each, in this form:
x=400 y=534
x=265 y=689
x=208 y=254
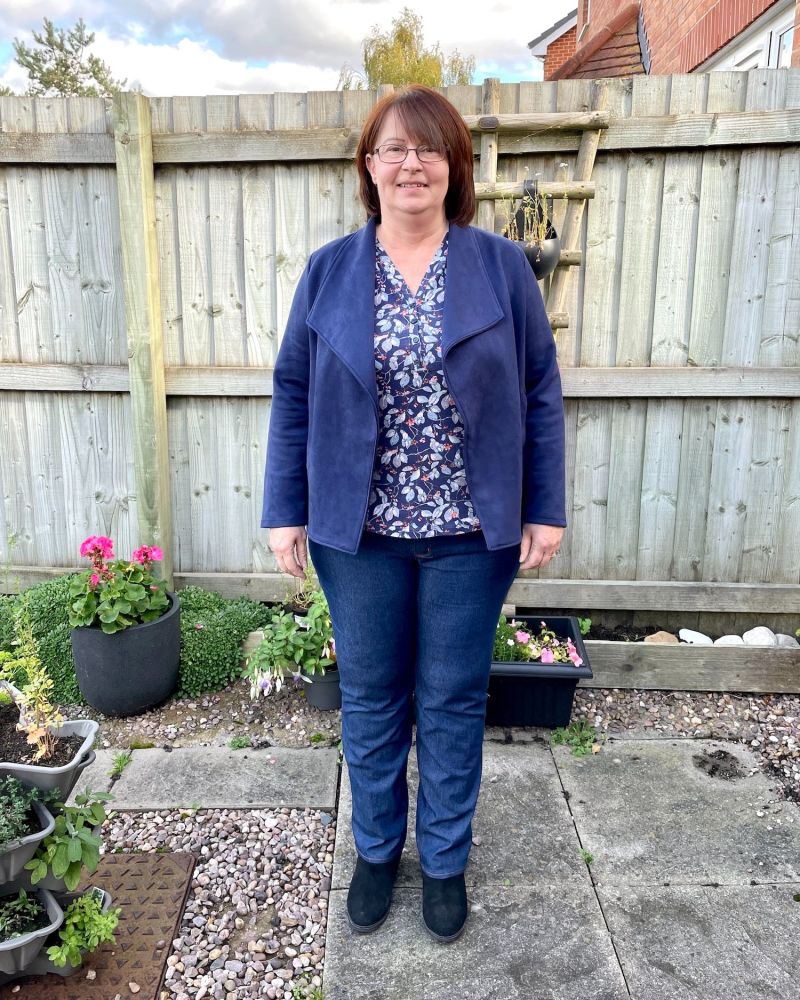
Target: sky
x=197 y=47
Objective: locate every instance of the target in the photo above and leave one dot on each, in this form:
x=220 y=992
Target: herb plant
x=71 y=846
x=20 y=915
x=15 y=804
x=85 y=927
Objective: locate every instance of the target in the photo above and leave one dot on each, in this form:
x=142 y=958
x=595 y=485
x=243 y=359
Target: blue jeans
x=415 y=615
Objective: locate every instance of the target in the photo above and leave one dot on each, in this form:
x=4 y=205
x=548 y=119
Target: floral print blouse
x=419 y=485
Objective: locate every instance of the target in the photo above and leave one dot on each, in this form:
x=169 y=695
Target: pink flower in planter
x=522 y=637
x=547 y=656
x=94 y=579
x=97 y=545
x=146 y=554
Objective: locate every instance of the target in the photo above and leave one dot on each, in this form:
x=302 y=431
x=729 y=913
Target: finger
x=534 y=558
x=525 y=548
x=302 y=555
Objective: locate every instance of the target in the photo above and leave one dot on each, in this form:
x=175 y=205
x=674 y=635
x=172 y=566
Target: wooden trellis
x=490 y=124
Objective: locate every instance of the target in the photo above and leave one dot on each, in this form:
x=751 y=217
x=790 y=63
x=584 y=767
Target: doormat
x=151 y=890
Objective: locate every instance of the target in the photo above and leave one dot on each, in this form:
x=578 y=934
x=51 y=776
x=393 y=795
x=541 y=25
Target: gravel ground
x=256 y=917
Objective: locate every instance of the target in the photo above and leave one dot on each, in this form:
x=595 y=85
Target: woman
x=417 y=430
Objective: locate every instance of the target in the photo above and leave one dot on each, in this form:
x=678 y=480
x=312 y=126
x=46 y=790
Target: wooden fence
x=148 y=255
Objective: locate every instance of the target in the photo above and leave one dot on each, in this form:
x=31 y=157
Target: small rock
x=661 y=637
x=695 y=638
x=134 y=987
x=759 y=636
x=729 y=640
x=786 y=640
x=91 y=974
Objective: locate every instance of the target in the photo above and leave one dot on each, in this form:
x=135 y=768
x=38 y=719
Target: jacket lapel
x=343 y=313
x=470 y=303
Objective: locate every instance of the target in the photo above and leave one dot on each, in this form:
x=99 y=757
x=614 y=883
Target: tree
x=58 y=67
x=399 y=56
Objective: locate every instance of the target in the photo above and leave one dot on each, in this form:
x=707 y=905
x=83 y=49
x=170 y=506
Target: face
x=410 y=187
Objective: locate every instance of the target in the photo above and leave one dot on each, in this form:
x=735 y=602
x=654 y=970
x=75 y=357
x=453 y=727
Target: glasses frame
x=377 y=152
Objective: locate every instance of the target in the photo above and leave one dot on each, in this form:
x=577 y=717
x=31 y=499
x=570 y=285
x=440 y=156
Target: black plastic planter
x=324 y=692
x=127 y=672
x=537 y=694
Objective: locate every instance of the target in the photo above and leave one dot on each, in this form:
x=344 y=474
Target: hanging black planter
x=545 y=255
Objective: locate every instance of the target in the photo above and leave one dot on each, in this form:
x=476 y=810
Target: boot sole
x=443 y=938
x=366 y=928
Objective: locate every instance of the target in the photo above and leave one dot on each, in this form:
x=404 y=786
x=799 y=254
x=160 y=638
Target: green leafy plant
x=15 y=806
x=296 y=646
x=585 y=625
x=579 y=734
x=20 y=915
x=72 y=846
x=85 y=927
x=587 y=856
x=121 y=761
x=240 y=742
x=514 y=642
x=316 y=738
x=117 y=595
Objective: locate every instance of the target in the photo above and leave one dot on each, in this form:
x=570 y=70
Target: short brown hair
x=429 y=118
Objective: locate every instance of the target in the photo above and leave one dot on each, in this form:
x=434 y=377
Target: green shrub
x=7 y=604
x=47 y=605
x=210 y=656
x=212 y=631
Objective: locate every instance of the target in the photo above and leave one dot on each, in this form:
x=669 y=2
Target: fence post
x=490 y=105
x=136 y=199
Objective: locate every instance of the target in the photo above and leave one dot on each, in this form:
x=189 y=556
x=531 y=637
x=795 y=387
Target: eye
x=393 y=147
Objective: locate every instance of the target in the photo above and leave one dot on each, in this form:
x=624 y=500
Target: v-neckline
x=427 y=271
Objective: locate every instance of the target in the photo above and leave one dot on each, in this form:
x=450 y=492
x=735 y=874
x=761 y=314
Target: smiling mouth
x=412 y=185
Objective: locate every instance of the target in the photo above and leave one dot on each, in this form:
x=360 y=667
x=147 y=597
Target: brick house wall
x=681 y=34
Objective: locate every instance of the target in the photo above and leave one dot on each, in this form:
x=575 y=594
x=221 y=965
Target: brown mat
x=151 y=889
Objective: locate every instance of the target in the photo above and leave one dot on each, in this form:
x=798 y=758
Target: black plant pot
x=544 y=257
x=537 y=694
x=324 y=692
x=127 y=672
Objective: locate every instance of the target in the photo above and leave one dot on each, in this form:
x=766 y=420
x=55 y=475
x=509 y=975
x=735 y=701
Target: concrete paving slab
x=688 y=942
x=221 y=778
x=520 y=943
x=526 y=834
x=97 y=775
x=680 y=811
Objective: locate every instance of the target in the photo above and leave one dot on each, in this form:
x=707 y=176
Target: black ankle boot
x=370 y=895
x=444 y=906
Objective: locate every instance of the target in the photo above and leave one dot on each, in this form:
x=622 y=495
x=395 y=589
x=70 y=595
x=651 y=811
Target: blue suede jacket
x=499 y=360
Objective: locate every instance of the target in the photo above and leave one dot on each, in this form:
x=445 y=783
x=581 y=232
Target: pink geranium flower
x=96 y=545
x=94 y=579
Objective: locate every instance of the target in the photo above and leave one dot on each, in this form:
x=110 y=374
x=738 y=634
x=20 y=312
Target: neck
x=411 y=231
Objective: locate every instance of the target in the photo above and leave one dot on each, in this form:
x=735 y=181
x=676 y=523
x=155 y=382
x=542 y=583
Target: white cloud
x=240 y=46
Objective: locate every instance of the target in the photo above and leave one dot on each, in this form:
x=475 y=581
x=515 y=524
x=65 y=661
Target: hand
x=289 y=546
x=540 y=542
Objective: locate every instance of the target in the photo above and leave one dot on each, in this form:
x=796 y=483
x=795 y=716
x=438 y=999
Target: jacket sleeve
x=285 y=477
x=543 y=469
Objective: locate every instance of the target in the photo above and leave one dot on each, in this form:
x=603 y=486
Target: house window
x=782 y=44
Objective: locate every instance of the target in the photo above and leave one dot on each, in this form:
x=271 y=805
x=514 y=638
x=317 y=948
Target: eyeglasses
x=396 y=152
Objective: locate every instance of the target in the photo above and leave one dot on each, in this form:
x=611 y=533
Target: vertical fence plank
x=487 y=171
x=134 y=152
